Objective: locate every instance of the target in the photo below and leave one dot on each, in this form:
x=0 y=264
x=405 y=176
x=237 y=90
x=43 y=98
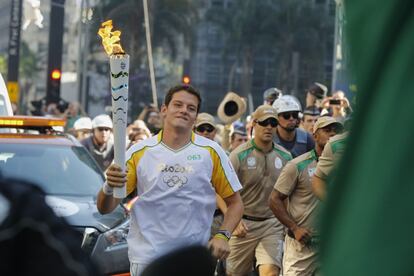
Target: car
x=35 y=151
x=5 y=104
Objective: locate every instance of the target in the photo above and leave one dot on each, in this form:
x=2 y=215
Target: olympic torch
x=119 y=67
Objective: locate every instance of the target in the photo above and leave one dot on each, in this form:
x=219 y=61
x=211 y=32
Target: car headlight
x=90 y=236
x=117 y=235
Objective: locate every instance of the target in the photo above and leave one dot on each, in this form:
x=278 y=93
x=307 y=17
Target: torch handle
x=119 y=87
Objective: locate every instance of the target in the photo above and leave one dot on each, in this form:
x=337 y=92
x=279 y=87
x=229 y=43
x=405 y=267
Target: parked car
x=5 y=104
x=63 y=168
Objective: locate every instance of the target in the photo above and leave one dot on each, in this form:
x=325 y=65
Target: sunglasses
x=206 y=127
x=270 y=121
x=287 y=115
x=103 y=129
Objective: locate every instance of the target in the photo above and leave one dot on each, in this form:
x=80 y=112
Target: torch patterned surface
x=119 y=65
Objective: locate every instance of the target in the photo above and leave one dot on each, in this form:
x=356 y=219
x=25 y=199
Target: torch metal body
x=119 y=67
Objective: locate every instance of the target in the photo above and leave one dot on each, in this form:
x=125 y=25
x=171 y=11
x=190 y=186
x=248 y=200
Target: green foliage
x=276 y=29
x=3 y=65
x=28 y=62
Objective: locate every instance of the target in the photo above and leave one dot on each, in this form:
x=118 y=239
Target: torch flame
x=110 y=39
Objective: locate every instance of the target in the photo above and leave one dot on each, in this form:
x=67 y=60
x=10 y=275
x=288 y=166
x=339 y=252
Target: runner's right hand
x=115 y=177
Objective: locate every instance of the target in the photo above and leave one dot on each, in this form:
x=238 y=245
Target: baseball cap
x=102 y=121
x=263 y=112
x=83 y=123
x=318 y=90
x=325 y=121
x=240 y=130
x=205 y=118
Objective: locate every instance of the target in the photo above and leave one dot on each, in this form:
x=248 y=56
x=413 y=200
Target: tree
x=246 y=27
x=170 y=30
x=274 y=29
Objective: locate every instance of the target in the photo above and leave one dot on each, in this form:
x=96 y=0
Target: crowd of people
x=250 y=189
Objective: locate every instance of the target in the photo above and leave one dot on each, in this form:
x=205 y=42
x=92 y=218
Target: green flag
x=368 y=219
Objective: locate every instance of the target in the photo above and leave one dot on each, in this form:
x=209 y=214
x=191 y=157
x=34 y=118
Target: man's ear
x=163 y=108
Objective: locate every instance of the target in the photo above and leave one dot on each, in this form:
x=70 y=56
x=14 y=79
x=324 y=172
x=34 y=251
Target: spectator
x=100 y=144
x=137 y=127
x=82 y=128
x=137 y=137
x=151 y=116
x=337 y=106
x=315 y=94
x=271 y=94
x=310 y=115
x=72 y=113
x=52 y=110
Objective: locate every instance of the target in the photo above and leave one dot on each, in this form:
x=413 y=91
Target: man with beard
x=288 y=135
x=300 y=212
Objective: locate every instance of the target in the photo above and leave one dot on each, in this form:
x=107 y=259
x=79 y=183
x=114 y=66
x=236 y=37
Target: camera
x=334 y=102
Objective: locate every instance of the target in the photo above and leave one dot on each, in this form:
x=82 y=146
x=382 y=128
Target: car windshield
x=58 y=170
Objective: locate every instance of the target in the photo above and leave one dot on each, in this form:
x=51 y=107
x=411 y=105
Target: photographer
x=337 y=106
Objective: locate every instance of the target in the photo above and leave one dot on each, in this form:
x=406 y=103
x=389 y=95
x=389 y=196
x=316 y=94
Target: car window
x=3 y=107
x=58 y=170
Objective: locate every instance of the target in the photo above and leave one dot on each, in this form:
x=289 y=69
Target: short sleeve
x=325 y=163
x=224 y=177
x=234 y=159
x=131 y=176
x=133 y=159
x=286 y=182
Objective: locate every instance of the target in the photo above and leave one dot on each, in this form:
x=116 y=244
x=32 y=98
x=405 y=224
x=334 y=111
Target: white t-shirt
x=177 y=194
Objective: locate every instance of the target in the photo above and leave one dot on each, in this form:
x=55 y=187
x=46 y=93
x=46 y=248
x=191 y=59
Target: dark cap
x=318 y=90
x=312 y=110
x=272 y=94
x=240 y=130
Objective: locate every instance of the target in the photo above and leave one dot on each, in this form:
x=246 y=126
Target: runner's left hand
x=219 y=248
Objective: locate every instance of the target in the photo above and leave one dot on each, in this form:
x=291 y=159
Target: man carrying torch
x=119 y=67
x=176 y=175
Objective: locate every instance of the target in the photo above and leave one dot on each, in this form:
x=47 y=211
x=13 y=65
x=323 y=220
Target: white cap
x=286 y=103
x=102 y=121
x=83 y=123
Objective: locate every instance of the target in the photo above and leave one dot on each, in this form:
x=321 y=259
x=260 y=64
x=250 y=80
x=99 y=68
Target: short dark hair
x=238 y=130
x=182 y=87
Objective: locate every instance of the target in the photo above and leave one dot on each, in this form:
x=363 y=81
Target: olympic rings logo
x=175 y=180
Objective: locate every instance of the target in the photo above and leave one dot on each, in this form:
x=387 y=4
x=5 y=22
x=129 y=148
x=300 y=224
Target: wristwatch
x=226 y=233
